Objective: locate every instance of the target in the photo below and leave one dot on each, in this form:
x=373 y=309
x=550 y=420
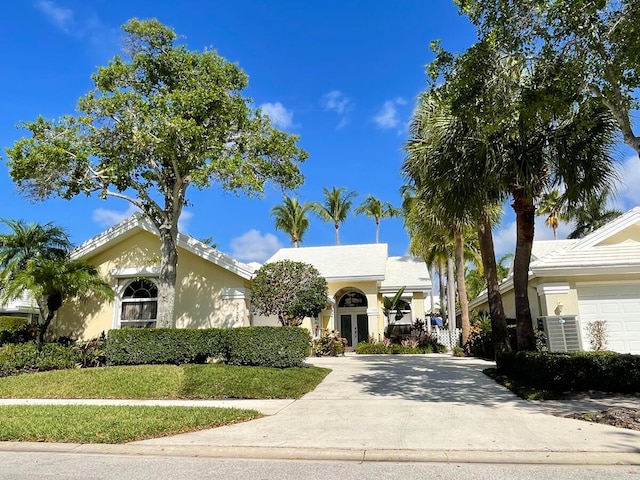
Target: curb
x=334 y=454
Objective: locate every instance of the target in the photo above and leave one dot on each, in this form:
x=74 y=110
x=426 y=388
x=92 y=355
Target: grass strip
x=520 y=387
x=228 y=381
x=165 y=382
x=91 y=424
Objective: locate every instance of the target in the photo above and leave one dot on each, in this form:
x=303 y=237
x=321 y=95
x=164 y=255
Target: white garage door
x=619 y=306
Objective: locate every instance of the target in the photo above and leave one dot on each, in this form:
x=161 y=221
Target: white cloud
x=387 y=117
x=107 y=217
x=336 y=101
x=62 y=18
x=252 y=246
x=627 y=191
x=280 y=116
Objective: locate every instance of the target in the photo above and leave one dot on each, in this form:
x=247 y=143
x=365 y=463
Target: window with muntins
x=139 y=305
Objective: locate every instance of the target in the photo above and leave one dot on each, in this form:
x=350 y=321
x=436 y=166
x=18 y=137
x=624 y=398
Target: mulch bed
x=621 y=417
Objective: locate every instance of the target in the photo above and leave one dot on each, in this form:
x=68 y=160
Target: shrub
x=143 y=346
x=32 y=357
x=16 y=330
x=328 y=344
x=458 y=351
x=480 y=343
x=368 y=348
x=278 y=347
x=578 y=371
x=92 y=352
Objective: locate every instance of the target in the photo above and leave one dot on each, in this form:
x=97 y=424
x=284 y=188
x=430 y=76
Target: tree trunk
x=167 y=278
x=499 y=334
x=443 y=293
x=451 y=294
x=462 y=288
x=337 y=227
x=54 y=302
x=525 y=221
x=377 y=230
x=431 y=294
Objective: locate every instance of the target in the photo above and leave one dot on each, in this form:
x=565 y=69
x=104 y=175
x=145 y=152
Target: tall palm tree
x=374 y=208
x=291 y=218
x=51 y=281
x=551 y=204
x=591 y=214
x=30 y=241
x=336 y=206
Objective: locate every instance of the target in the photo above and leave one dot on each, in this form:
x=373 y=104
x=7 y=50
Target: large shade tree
x=377 y=209
x=159 y=119
x=598 y=36
x=335 y=208
x=291 y=217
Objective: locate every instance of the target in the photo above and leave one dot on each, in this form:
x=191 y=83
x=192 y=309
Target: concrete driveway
x=433 y=407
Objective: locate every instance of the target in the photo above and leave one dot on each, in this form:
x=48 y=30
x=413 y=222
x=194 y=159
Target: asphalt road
x=48 y=466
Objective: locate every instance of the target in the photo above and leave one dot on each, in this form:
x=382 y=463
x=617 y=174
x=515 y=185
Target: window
x=353 y=299
x=139 y=305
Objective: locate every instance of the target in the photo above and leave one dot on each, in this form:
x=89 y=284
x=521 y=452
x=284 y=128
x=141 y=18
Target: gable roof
x=592 y=254
x=409 y=272
x=138 y=222
x=341 y=262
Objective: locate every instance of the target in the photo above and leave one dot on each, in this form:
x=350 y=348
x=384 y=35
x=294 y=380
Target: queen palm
x=374 y=208
x=551 y=205
x=336 y=207
x=291 y=218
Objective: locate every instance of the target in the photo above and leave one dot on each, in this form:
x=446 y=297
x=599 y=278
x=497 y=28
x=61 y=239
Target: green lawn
x=91 y=424
x=165 y=381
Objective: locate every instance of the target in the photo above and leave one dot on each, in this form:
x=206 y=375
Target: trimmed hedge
x=577 y=371
x=144 y=346
x=278 y=347
x=33 y=357
x=366 y=348
x=16 y=330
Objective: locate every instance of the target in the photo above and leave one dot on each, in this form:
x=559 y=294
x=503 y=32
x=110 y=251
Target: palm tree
x=291 y=218
x=30 y=241
x=335 y=208
x=550 y=204
x=51 y=281
x=374 y=208
x=591 y=214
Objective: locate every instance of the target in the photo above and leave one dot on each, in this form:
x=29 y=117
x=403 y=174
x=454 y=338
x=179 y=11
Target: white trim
x=234 y=293
x=134 y=272
x=607 y=282
x=352 y=278
x=553 y=289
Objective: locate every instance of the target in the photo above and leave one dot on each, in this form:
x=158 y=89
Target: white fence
x=448 y=338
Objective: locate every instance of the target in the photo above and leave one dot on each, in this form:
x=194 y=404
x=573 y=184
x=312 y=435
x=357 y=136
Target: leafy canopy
x=291 y=290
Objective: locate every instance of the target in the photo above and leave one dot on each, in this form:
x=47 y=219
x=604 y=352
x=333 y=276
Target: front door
x=354 y=326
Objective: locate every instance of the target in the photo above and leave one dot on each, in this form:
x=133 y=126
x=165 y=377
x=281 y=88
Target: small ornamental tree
x=291 y=290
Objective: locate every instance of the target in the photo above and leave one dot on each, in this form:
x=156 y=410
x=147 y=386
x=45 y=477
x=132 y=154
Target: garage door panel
x=619 y=306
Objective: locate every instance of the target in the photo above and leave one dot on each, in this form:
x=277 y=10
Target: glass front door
x=354 y=326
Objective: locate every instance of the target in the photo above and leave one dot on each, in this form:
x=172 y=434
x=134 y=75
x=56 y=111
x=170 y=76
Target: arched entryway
x=351 y=316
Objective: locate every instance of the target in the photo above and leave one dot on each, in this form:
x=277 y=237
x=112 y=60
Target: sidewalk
x=397 y=408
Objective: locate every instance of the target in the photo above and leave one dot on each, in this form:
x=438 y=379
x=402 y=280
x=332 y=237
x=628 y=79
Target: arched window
x=139 y=305
x=353 y=299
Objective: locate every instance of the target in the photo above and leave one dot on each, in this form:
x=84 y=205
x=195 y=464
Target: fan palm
x=291 y=218
x=551 y=204
x=374 y=208
x=336 y=207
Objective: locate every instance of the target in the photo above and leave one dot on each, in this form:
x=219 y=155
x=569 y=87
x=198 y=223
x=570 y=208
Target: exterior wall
x=509 y=303
x=206 y=295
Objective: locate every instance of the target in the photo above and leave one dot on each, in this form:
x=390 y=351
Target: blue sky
x=343 y=75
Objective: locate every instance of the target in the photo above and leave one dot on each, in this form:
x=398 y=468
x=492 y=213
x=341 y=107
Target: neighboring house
x=358 y=276
x=212 y=289
x=575 y=282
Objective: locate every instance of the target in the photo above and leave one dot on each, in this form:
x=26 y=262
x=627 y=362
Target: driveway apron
x=412 y=402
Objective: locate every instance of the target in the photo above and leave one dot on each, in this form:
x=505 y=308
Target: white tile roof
x=409 y=272
x=341 y=262
x=541 y=248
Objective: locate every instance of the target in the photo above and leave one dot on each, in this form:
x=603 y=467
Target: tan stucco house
x=358 y=276
x=213 y=289
x=575 y=282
